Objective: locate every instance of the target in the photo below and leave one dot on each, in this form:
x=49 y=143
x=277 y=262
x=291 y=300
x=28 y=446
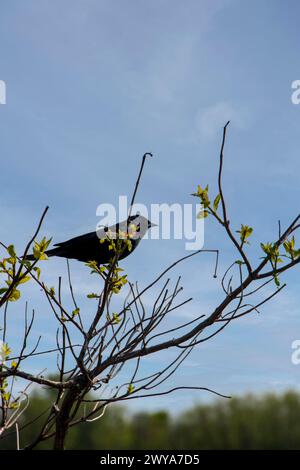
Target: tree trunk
x=63 y=417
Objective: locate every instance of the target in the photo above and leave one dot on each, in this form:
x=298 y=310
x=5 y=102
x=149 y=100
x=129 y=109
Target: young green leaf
x=216 y=202
x=11 y=251
x=202 y=214
x=75 y=312
x=130 y=388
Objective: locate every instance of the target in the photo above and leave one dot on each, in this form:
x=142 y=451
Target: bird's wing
x=86 y=238
x=100 y=233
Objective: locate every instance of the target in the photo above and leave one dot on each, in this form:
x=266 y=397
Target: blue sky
x=92 y=85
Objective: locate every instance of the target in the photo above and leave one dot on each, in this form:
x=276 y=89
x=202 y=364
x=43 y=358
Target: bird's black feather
x=87 y=247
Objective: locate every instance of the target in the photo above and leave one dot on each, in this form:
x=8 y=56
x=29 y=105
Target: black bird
x=94 y=246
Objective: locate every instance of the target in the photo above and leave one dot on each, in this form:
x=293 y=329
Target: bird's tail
x=53 y=252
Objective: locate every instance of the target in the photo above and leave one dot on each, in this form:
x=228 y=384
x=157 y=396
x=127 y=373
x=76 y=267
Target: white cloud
x=210 y=120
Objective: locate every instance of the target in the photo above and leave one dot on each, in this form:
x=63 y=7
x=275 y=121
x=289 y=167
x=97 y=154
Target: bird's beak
x=152 y=224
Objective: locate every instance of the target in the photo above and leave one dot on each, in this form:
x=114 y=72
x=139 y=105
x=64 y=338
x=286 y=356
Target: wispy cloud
x=210 y=120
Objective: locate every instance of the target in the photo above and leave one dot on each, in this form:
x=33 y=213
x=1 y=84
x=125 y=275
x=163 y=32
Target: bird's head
x=140 y=224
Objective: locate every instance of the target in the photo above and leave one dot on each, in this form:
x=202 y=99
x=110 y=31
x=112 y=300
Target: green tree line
x=249 y=422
